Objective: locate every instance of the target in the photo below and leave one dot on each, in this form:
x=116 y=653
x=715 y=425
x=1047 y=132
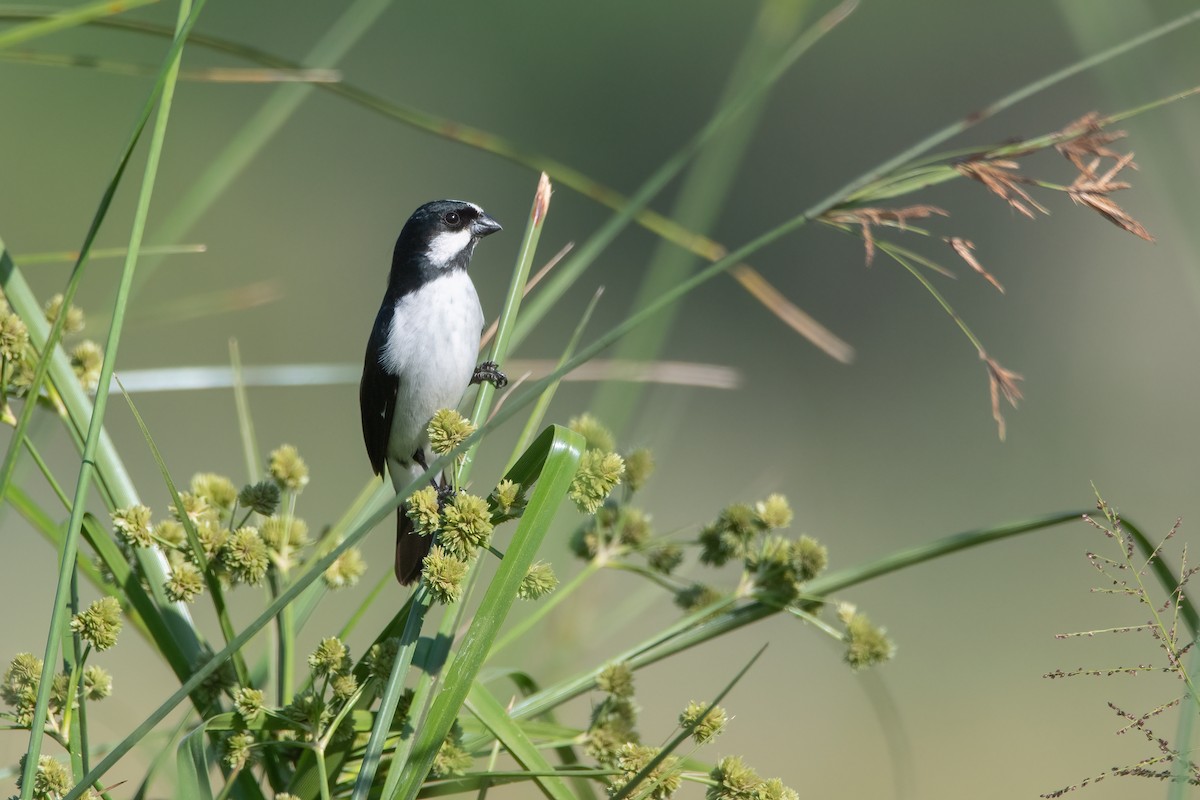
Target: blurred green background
x=889 y=452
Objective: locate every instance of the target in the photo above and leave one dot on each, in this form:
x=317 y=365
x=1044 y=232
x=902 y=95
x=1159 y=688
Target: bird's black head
x=440 y=236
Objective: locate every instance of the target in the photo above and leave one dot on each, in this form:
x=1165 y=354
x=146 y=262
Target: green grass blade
x=901 y=559
x=484 y=705
x=66 y=569
x=67 y=18
x=554 y=456
x=44 y=524
x=191 y=767
x=245 y=422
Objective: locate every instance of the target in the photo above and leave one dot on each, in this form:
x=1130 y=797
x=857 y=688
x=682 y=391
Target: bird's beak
x=484 y=225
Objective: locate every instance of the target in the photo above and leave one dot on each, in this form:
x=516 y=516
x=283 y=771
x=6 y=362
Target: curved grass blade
x=191 y=766
x=68 y=18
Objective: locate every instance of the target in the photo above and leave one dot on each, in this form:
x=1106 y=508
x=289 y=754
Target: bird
x=422 y=351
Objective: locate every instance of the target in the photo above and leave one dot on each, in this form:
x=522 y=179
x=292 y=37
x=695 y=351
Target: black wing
x=377 y=400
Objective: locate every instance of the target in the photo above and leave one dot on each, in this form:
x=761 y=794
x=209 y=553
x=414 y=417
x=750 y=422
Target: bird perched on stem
x=422 y=352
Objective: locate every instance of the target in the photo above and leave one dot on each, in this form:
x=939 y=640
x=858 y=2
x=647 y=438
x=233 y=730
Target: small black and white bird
x=422 y=352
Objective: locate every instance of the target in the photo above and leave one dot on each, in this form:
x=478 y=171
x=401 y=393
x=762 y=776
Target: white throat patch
x=445 y=247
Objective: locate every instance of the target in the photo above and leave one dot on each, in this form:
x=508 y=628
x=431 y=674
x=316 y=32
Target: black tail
x=411 y=549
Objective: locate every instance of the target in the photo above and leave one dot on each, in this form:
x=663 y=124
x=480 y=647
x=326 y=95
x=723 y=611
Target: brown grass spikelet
x=1001 y=381
x=1092 y=190
x=965 y=249
x=999 y=177
x=868 y=216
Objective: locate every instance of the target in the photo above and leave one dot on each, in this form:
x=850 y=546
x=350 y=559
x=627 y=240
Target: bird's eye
x=452 y=218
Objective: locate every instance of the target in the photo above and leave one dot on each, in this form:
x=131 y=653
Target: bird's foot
x=490 y=371
x=445 y=493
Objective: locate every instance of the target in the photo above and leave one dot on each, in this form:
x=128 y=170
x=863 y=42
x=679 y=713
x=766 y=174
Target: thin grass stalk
x=250 y=449
x=66 y=568
x=545 y=606
x=63 y=19
x=99 y=253
x=703 y=192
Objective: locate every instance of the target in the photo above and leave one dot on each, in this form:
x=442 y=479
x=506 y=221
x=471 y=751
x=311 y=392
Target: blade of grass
x=901 y=559
x=484 y=705
x=210 y=75
x=66 y=569
x=71 y=256
x=250 y=449
x=67 y=18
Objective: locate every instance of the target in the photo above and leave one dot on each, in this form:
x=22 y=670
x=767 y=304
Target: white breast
x=433 y=347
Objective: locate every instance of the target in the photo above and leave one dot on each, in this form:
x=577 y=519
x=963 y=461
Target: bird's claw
x=490 y=371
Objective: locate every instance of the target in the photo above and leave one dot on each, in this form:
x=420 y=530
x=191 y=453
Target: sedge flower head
x=538 y=582
x=424 y=510
x=598 y=474
x=262 y=498
x=345 y=570
x=184 y=583
x=74 y=322
x=704 y=726
x=100 y=623
x=288 y=468
x=466 y=525
x=447 y=430
x=132 y=525
x=444 y=574
x=330 y=658
x=97 y=683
